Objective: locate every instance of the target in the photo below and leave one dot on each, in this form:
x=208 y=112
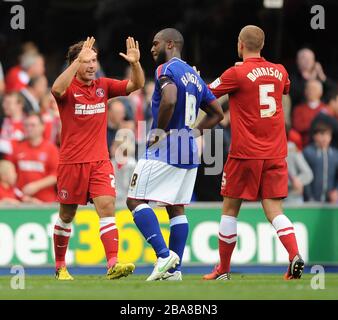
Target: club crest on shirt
x=100 y=92
x=63 y=194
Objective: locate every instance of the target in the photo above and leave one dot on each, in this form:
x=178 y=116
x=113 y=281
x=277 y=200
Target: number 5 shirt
x=255 y=91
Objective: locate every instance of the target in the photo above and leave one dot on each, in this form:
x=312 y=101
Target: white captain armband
x=164 y=81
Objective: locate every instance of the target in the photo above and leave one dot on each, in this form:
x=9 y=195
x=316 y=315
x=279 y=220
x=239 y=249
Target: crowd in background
x=30 y=130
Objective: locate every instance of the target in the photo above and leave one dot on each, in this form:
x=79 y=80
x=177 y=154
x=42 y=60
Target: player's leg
x=179 y=229
x=72 y=191
x=147 y=222
x=241 y=179
x=62 y=232
x=102 y=192
x=273 y=189
x=158 y=182
x=105 y=208
x=143 y=215
x=286 y=233
x=227 y=238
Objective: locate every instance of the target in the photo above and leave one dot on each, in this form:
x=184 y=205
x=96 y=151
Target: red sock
x=225 y=252
x=286 y=234
x=61 y=236
x=227 y=241
x=110 y=239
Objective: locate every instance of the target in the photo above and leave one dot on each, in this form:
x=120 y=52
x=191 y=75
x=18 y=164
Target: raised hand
x=87 y=53
x=133 y=52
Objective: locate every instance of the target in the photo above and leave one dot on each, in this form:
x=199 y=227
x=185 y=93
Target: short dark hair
x=74 y=50
x=172 y=34
x=321 y=127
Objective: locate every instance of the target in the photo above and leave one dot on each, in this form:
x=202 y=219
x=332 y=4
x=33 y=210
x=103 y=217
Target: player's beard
x=161 y=57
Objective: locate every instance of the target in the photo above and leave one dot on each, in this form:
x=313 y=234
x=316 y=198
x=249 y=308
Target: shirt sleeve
x=225 y=84
x=116 y=88
x=61 y=100
x=287 y=83
x=208 y=96
x=164 y=71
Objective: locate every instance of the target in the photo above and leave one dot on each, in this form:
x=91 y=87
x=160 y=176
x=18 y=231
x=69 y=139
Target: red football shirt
x=35 y=163
x=83 y=113
x=255 y=91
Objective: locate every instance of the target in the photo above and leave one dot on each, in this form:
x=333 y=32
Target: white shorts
x=162 y=183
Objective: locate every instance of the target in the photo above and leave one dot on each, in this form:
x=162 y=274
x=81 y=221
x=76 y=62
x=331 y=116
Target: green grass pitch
x=192 y=287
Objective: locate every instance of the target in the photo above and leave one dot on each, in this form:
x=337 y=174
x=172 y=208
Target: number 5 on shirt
x=265 y=99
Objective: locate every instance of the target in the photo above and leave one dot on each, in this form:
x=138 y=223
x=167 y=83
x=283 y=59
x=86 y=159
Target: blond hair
x=252 y=37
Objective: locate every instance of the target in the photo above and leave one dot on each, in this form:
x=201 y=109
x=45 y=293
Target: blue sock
x=179 y=230
x=146 y=221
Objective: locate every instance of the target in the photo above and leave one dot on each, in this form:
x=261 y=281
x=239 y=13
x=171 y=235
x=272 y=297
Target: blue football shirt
x=179 y=148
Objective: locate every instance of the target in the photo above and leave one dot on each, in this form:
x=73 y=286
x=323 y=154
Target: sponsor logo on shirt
x=89 y=109
x=100 y=92
x=28 y=165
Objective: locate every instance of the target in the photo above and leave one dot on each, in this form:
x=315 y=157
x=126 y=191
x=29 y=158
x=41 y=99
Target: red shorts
x=255 y=179
x=78 y=183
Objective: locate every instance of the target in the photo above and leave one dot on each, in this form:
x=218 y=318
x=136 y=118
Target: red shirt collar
x=254 y=59
x=81 y=84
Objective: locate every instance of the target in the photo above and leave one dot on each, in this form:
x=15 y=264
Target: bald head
x=167 y=43
x=252 y=38
x=171 y=34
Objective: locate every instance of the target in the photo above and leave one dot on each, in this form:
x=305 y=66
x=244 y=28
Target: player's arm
x=226 y=83
x=168 y=102
x=33 y=187
x=64 y=80
x=214 y=114
x=137 y=79
x=166 y=109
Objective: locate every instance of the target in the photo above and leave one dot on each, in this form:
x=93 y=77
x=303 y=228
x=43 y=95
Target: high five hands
x=133 y=51
x=87 y=53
